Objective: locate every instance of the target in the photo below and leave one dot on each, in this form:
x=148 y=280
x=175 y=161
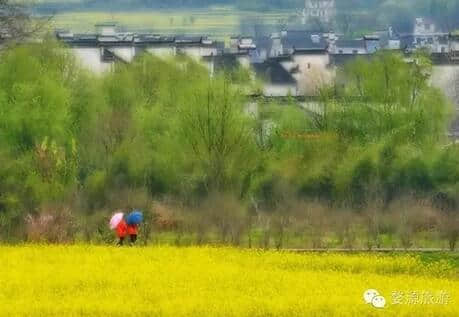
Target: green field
x=216 y=22
x=166 y=281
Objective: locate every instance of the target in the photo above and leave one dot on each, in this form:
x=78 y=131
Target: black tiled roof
x=285 y=57
x=299 y=40
x=360 y=43
x=264 y=42
x=310 y=51
x=154 y=39
x=188 y=39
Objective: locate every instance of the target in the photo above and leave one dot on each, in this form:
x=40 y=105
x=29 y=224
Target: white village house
x=294 y=62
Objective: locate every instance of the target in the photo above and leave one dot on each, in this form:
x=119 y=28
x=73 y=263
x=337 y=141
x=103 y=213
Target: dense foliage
x=75 y=147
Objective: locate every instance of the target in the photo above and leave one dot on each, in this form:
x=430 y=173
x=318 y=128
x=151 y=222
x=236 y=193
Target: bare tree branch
x=16 y=22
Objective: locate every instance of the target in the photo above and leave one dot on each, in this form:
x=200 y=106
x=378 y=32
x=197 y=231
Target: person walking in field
x=123 y=227
x=121 y=231
x=119 y=225
x=134 y=219
x=132 y=231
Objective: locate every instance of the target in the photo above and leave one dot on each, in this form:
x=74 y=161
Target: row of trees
x=75 y=147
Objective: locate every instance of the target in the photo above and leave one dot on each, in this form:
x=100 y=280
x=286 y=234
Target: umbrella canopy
x=134 y=218
x=116 y=219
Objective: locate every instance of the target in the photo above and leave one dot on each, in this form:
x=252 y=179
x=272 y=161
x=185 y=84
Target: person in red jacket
x=132 y=231
x=121 y=231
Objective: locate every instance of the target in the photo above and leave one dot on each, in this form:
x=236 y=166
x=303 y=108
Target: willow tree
x=218 y=133
x=392 y=122
x=388 y=95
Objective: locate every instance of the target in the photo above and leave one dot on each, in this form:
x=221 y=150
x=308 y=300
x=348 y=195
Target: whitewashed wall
x=313 y=72
x=162 y=51
x=446 y=77
x=208 y=51
x=90 y=59
x=244 y=60
x=126 y=53
x=350 y=50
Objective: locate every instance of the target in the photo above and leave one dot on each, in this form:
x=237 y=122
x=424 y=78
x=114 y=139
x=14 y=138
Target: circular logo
x=378 y=301
x=372 y=296
x=369 y=294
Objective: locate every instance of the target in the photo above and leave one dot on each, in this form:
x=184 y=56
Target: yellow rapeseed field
x=210 y=281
